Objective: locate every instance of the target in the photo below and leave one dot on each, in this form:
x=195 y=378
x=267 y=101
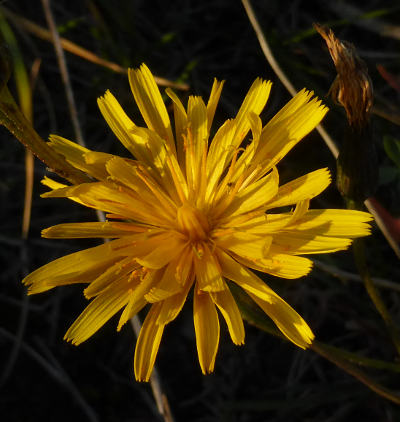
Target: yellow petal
x=336 y=223
x=166 y=248
x=245 y=244
x=119 y=122
x=279 y=265
x=184 y=265
x=167 y=286
x=197 y=116
x=301 y=115
x=173 y=305
x=150 y=103
x=264 y=224
x=307 y=243
x=52 y=184
x=208 y=272
x=236 y=272
x=147 y=344
x=291 y=324
x=107 y=197
x=206 y=325
x=219 y=155
x=196 y=146
x=287 y=319
x=137 y=299
x=304 y=187
x=76 y=155
x=148 y=190
x=92 y=230
x=254 y=102
x=135 y=304
x=79 y=267
x=116 y=271
x=253 y=197
x=230 y=311
x=98 y=312
x=247 y=157
x=213 y=101
x=180 y=120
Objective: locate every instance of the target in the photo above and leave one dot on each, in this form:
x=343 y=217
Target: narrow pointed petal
x=289 y=322
x=180 y=119
x=150 y=103
x=299 y=117
x=98 y=312
x=255 y=196
x=230 y=311
x=206 y=325
x=120 y=269
x=208 y=272
x=213 y=101
x=219 y=155
x=168 y=248
x=254 y=102
x=233 y=270
x=197 y=115
x=173 y=305
x=245 y=244
x=304 y=187
x=137 y=295
x=79 y=267
x=76 y=155
x=286 y=318
x=307 y=242
x=279 y=265
x=147 y=344
x=97 y=229
x=119 y=122
x=107 y=197
x=52 y=184
x=135 y=304
x=247 y=157
x=336 y=223
x=167 y=286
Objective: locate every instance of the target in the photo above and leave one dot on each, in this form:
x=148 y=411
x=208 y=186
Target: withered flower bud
x=352 y=88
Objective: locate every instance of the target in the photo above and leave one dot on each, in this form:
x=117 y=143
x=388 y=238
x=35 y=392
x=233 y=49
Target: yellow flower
x=187 y=213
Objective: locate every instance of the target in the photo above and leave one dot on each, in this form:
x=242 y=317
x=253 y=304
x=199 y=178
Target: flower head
x=186 y=214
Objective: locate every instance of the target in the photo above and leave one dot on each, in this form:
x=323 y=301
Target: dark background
x=44 y=378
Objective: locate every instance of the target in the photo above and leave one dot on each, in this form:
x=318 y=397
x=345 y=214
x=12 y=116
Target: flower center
x=192 y=222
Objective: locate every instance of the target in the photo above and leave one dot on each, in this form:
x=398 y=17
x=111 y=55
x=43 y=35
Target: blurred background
x=191 y=42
